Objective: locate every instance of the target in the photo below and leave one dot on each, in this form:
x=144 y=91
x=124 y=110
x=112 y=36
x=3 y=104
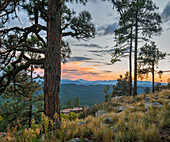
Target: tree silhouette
x=52 y=19
x=149 y=57
x=142 y=15
x=22 y=100
x=122 y=86
x=77 y=102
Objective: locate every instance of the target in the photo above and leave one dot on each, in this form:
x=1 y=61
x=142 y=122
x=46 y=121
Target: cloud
x=74 y=70
x=97 y=65
x=94 y=1
x=73 y=59
x=77 y=70
x=107 y=71
x=98 y=55
x=102 y=51
x=107 y=29
x=108 y=64
x=91 y=45
x=166 y=13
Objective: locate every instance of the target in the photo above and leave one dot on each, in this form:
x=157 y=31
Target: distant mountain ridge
x=104 y=82
x=89 y=92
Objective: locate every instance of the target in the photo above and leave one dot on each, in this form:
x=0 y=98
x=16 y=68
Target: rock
x=115 y=113
x=113 y=128
x=131 y=107
x=148 y=104
x=81 y=123
x=117 y=97
x=100 y=112
x=79 y=140
x=157 y=104
x=107 y=115
x=120 y=109
x=75 y=140
x=2 y=134
x=108 y=120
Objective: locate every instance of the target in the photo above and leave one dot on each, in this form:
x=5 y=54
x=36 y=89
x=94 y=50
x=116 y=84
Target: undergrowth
x=136 y=123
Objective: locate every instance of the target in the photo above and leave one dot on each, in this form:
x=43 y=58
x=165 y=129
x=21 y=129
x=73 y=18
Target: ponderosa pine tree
x=122 y=86
x=146 y=23
x=149 y=57
x=22 y=101
x=53 y=19
x=107 y=96
x=69 y=103
x=77 y=102
x=124 y=37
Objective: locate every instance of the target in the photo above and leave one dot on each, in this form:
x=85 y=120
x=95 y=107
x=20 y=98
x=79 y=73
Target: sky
x=90 y=60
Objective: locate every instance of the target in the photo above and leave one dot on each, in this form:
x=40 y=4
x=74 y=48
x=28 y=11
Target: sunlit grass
x=135 y=123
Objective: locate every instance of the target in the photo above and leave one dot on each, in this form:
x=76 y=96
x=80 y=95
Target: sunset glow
x=76 y=70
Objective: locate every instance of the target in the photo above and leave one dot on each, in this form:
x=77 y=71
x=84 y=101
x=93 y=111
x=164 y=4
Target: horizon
x=109 y=80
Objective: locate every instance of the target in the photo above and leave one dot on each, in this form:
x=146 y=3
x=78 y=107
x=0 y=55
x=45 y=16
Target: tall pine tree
x=52 y=19
x=149 y=57
x=145 y=22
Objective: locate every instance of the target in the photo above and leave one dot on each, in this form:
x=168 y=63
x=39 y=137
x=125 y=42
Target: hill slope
x=88 y=94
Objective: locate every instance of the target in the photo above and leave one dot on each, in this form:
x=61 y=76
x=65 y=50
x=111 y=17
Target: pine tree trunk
x=130 y=65
x=135 y=56
x=153 y=77
x=52 y=74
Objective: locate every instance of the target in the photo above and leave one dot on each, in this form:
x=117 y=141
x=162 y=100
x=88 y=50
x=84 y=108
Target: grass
x=131 y=125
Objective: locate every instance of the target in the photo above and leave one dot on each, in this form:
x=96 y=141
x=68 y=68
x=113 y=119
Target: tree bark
x=130 y=65
x=52 y=73
x=135 y=56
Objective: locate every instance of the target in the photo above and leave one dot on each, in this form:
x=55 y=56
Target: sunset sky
x=90 y=60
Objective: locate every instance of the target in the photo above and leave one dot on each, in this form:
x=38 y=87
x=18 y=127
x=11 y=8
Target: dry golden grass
x=133 y=124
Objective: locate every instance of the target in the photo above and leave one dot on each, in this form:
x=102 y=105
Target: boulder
x=117 y=97
x=2 y=134
x=115 y=113
x=106 y=115
x=148 y=104
x=120 y=109
x=131 y=107
x=79 y=140
x=108 y=120
x=157 y=104
x=100 y=112
x=81 y=123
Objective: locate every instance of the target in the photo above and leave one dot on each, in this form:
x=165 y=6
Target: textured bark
x=52 y=74
x=135 y=55
x=130 y=64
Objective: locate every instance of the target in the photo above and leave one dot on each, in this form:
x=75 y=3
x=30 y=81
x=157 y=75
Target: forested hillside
x=88 y=95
